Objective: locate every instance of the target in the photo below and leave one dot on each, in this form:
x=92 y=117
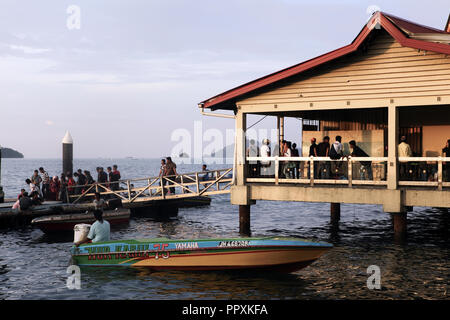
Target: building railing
x=347 y=171
x=158 y=188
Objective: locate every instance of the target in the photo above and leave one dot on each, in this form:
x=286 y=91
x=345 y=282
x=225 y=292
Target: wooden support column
x=393 y=126
x=280 y=131
x=241 y=127
x=335 y=212
x=244 y=220
x=399 y=222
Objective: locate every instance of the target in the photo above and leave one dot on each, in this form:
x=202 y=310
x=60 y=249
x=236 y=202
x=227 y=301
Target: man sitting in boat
x=100 y=230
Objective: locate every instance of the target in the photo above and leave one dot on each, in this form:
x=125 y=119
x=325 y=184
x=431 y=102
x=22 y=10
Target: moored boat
x=281 y=254
x=66 y=222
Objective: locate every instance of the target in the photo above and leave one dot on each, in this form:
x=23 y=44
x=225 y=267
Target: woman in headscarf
x=55 y=187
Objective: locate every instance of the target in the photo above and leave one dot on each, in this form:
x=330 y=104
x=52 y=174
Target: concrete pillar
x=244 y=220
x=67 y=153
x=241 y=127
x=393 y=126
x=399 y=222
x=335 y=212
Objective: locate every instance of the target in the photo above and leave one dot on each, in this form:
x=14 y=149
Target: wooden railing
x=413 y=164
x=346 y=171
x=151 y=188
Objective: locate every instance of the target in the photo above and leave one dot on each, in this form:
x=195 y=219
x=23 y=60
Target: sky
x=128 y=74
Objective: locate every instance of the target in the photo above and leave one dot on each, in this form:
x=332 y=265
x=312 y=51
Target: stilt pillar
x=400 y=224
x=335 y=212
x=244 y=219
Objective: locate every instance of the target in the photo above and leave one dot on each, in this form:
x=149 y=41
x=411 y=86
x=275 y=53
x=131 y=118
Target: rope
x=257 y=122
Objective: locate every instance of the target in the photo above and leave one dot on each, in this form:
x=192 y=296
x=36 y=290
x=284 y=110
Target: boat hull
x=227 y=254
x=66 y=223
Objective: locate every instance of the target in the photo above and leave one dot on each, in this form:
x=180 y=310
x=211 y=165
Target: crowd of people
x=44 y=188
x=331 y=169
x=292 y=169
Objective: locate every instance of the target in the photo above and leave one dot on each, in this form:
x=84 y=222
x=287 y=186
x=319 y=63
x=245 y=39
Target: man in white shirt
x=404 y=150
x=265 y=152
x=338 y=153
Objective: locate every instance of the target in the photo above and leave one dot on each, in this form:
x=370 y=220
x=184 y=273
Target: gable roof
x=403 y=31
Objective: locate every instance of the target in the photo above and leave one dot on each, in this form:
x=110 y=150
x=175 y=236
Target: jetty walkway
x=149 y=189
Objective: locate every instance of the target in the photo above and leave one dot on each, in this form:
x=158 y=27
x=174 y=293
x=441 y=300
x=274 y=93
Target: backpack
x=333 y=154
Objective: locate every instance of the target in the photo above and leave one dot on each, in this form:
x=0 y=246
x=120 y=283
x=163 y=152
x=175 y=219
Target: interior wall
x=434 y=139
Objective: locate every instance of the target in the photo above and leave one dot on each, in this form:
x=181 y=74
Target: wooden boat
x=66 y=222
x=281 y=254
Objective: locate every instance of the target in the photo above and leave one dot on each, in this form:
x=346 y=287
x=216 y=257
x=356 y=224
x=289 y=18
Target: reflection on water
x=33 y=265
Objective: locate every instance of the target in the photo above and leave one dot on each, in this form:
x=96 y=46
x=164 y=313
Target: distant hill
x=11 y=153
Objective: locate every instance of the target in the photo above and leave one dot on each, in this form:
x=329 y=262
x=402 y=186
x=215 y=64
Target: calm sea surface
x=33 y=265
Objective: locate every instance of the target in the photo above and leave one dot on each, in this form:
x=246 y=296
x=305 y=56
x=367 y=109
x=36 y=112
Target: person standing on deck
x=265 y=152
x=81 y=181
x=70 y=184
x=446 y=167
x=116 y=176
x=162 y=172
x=89 y=178
x=207 y=176
x=323 y=150
x=171 y=170
x=365 y=171
x=287 y=165
x=313 y=153
x=110 y=177
x=404 y=150
x=36 y=180
x=45 y=183
x=55 y=186
x=63 y=190
x=296 y=166
x=102 y=176
x=336 y=153
x=100 y=230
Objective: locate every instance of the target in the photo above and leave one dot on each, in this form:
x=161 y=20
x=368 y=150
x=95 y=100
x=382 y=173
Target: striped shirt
x=45 y=178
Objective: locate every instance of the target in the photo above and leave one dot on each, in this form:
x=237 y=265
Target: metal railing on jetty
x=350 y=171
x=159 y=188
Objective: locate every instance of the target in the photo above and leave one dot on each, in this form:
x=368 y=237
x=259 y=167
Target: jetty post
x=67 y=153
x=241 y=196
x=335 y=212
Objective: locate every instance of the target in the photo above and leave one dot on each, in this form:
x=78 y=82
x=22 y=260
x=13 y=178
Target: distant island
x=11 y=153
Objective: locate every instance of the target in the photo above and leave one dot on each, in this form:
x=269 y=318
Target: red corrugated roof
x=388 y=22
x=410 y=26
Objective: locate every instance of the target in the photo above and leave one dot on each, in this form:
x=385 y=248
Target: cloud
x=28 y=50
